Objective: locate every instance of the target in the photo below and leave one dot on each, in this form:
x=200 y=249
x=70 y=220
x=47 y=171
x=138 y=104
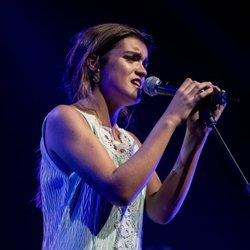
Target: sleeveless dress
x=75 y=216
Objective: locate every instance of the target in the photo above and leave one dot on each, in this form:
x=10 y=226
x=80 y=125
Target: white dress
x=75 y=216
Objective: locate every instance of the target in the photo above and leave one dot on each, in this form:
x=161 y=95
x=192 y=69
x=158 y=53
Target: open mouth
x=136 y=83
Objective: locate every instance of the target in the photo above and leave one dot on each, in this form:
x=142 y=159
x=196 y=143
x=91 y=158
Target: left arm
x=163 y=200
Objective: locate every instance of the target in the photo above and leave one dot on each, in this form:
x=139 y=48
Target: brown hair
x=97 y=40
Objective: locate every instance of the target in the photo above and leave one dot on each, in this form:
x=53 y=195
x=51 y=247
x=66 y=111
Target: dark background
x=204 y=40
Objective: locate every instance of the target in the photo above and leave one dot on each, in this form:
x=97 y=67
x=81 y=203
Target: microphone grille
x=150 y=84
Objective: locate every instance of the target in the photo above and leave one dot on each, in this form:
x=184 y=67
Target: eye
x=133 y=58
x=136 y=58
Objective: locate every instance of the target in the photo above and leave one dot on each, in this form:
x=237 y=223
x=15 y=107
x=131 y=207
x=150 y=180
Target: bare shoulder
x=64 y=122
x=61 y=112
x=66 y=132
x=65 y=115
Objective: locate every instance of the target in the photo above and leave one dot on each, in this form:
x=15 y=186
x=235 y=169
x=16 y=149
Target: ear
x=93 y=62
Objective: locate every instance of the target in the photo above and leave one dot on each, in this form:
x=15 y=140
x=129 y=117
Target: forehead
x=131 y=44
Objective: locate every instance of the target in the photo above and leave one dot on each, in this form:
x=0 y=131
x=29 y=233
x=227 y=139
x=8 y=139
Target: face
x=124 y=73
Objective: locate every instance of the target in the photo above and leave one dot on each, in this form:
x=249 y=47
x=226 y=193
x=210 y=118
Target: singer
x=96 y=179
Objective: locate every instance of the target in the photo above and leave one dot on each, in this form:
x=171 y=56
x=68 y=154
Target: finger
x=197 y=87
x=216 y=88
x=193 y=88
x=185 y=84
x=218 y=110
x=203 y=92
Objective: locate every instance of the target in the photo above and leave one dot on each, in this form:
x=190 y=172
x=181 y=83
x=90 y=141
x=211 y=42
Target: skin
x=72 y=145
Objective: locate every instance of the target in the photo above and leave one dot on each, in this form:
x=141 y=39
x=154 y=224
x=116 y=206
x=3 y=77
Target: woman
x=96 y=179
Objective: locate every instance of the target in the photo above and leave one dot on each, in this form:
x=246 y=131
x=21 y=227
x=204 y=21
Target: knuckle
x=188 y=79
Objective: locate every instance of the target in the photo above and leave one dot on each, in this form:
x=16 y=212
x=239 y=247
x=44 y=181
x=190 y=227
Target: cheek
x=109 y=78
x=121 y=64
x=114 y=72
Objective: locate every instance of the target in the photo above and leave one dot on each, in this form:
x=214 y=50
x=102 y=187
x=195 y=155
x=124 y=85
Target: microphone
x=154 y=86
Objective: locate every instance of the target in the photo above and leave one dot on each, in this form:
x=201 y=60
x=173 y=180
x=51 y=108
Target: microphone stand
x=208 y=117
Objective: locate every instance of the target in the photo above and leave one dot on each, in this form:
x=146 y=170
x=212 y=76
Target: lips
x=137 y=83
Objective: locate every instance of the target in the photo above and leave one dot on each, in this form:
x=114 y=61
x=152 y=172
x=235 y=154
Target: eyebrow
x=138 y=54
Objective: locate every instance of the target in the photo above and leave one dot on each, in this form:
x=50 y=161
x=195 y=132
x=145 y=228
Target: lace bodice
x=120 y=150
x=75 y=216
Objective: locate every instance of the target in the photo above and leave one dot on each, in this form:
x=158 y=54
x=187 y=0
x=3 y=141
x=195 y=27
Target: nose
x=141 y=71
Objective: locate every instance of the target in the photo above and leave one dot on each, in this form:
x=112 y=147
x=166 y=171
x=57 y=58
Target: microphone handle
x=208 y=102
x=217 y=97
x=167 y=91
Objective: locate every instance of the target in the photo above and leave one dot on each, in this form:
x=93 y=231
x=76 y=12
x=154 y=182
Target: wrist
x=171 y=120
x=198 y=137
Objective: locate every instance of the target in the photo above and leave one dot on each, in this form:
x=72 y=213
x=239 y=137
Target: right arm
x=69 y=138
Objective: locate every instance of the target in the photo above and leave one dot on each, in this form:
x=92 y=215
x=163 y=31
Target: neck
x=106 y=112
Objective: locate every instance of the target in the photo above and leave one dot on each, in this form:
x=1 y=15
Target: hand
x=185 y=100
x=196 y=126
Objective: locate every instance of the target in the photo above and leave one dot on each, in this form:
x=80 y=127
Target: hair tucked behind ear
x=78 y=80
x=97 y=40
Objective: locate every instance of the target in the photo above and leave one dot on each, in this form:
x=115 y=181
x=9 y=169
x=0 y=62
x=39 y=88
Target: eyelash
x=134 y=59
x=131 y=58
